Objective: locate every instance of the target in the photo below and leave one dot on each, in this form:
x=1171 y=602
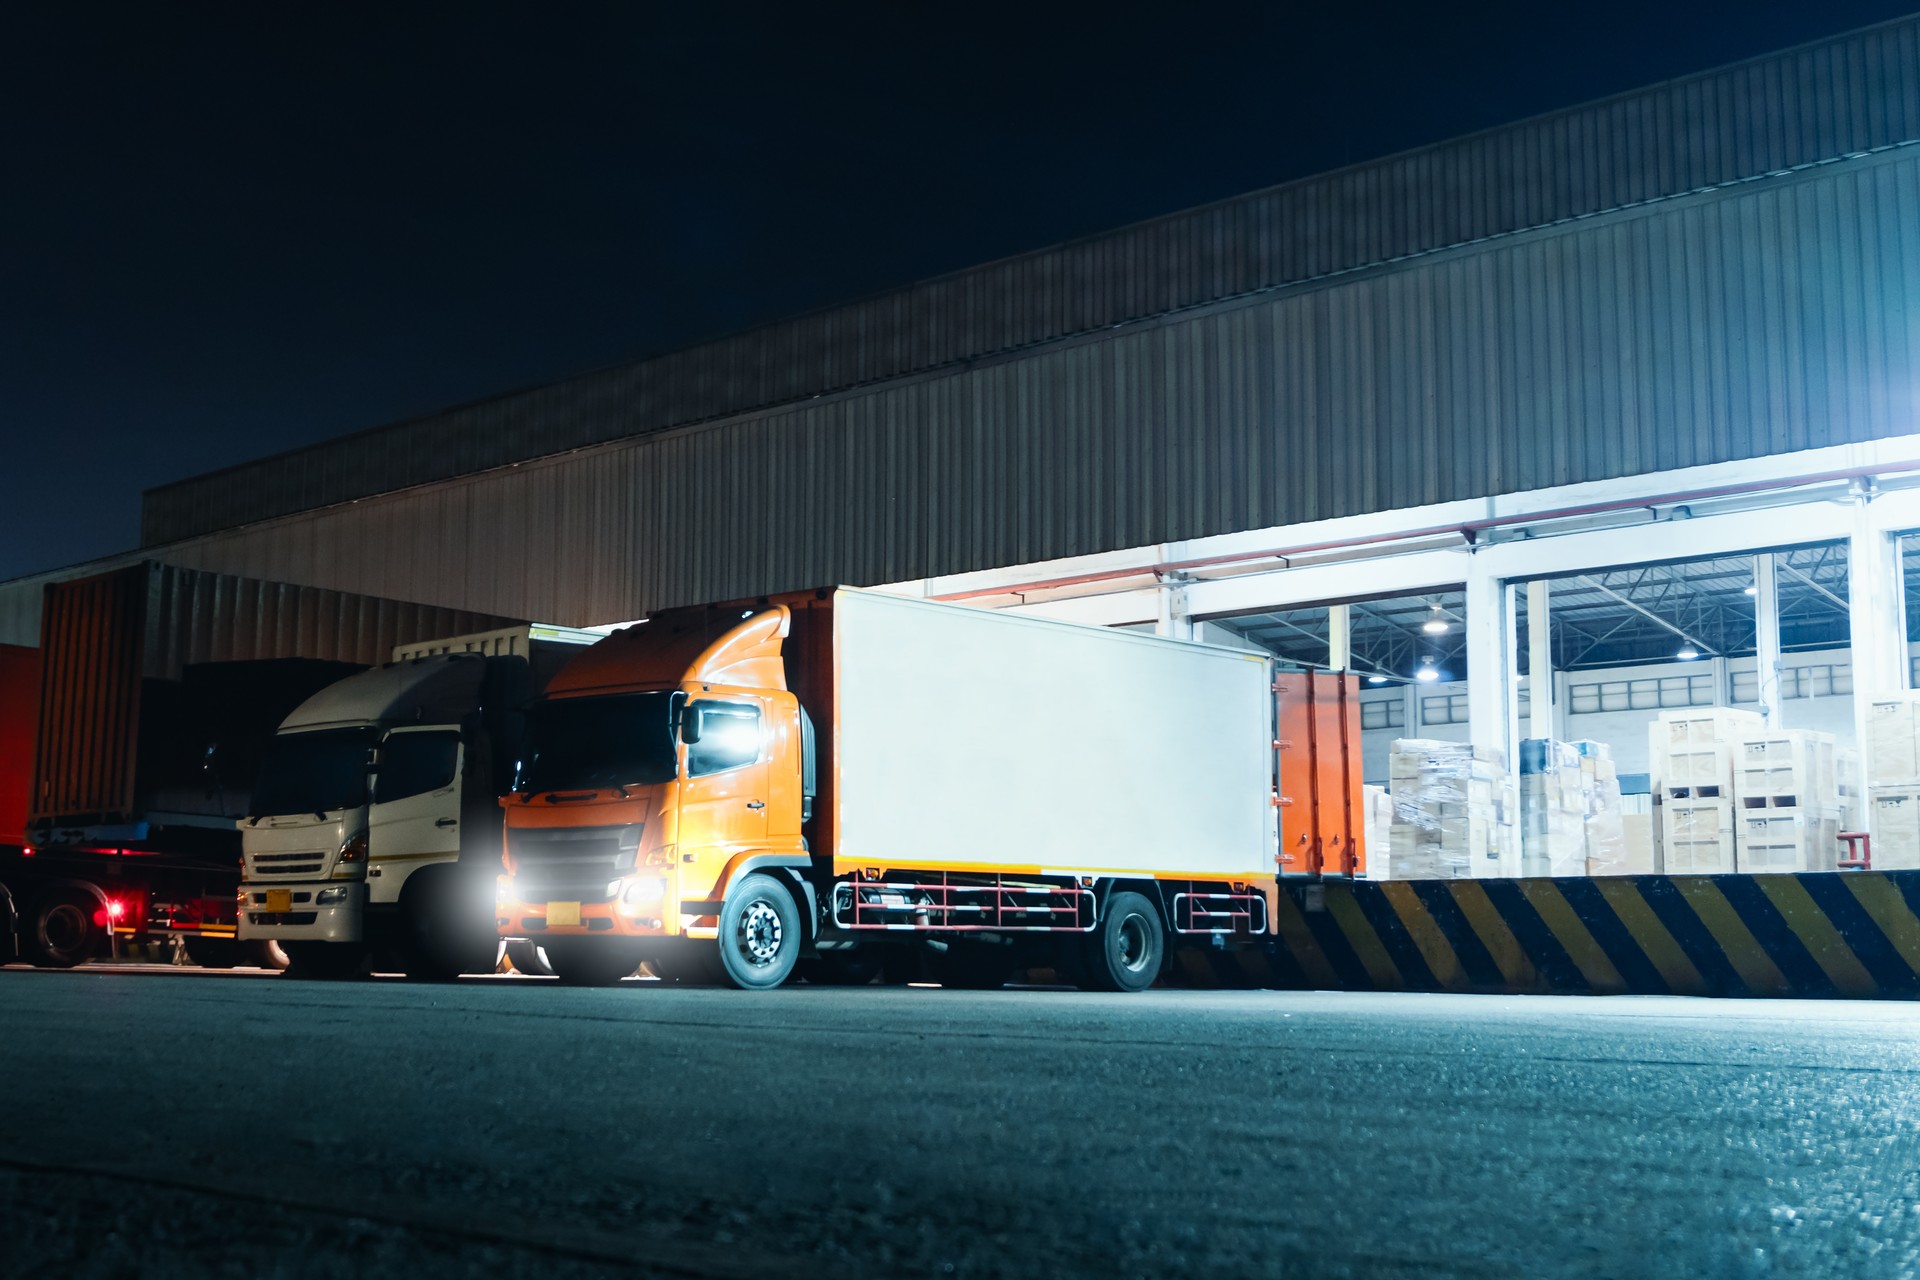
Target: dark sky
x=228 y=230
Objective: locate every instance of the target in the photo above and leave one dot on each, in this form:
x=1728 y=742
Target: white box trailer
x=976 y=739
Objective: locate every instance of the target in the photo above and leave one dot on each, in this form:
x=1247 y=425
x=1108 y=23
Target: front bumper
x=306 y=919
x=665 y=916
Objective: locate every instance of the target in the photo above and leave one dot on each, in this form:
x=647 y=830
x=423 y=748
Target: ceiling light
x=1435 y=625
x=1687 y=653
x=1753 y=590
x=1376 y=679
x=1426 y=674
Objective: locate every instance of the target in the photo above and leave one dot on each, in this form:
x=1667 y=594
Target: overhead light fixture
x=1752 y=590
x=1376 y=679
x=1687 y=653
x=1427 y=674
x=1435 y=625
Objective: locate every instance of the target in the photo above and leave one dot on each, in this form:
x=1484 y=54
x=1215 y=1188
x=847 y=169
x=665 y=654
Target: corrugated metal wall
x=192 y=616
x=1839 y=97
x=1777 y=315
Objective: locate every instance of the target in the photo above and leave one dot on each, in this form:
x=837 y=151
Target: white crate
x=1699 y=772
x=1698 y=857
x=1895 y=823
x=1787 y=768
x=1893 y=740
x=1688 y=820
x=1703 y=726
x=1789 y=839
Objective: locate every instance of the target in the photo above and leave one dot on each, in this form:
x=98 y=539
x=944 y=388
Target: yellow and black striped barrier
x=1850 y=934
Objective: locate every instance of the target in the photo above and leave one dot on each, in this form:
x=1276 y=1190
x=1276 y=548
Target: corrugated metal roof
x=1778 y=315
x=1848 y=95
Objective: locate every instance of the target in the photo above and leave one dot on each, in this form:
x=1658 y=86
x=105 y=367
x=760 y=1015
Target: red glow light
x=116 y=908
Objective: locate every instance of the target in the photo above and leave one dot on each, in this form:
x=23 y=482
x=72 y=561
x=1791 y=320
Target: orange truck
x=817 y=784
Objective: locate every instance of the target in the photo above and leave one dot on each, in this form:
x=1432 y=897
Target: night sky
x=228 y=230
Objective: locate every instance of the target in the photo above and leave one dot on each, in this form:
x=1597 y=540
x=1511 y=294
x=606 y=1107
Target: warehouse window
x=1383 y=713
x=1642 y=695
x=1826 y=680
x=1444 y=708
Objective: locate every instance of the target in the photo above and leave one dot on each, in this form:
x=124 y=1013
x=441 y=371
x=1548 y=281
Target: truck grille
x=288 y=864
x=571 y=864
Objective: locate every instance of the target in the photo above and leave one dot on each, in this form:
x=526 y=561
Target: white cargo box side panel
x=970 y=737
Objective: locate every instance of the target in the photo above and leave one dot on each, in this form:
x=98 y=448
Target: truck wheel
x=263 y=953
x=325 y=961
x=1124 y=953
x=528 y=959
x=449 y=929
x=213 y=953
x=759 y=933
x=590 y=962
x=61 y=932
x=854 y=968
x=970 y=966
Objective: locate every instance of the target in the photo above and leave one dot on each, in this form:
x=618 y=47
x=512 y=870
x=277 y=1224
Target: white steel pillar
x=1491 y=705
x=1766 y=643
x=1877 y=617
x=1339 y=637
x=1540 y=682
x=1174 y=622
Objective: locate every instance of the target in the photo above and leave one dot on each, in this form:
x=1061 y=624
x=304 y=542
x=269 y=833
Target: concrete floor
x=178 y=1122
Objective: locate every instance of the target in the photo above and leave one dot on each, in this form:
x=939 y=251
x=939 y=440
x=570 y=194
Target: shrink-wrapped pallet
x=1452 y=810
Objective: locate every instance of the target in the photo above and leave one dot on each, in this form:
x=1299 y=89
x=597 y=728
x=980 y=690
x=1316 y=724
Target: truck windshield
x=313 y=772
x=621 y=740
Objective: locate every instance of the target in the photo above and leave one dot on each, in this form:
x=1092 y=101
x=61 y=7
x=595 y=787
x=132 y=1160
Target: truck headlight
x=355 y=849
x=330 y=897
x=642 y=889
x=502 y=890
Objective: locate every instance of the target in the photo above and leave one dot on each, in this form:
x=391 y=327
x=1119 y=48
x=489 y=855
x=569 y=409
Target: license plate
x=279 y=900
x=563 y=915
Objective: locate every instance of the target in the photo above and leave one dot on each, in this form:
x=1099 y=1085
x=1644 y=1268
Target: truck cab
x=661 y=768
x=369 y=799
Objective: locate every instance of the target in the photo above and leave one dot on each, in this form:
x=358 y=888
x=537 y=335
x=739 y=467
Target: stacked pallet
x=1690 y=757
x=1893 y=786
x=1571 y=822
x=1788 y=800
x=1454 y=811
x=1378 y=806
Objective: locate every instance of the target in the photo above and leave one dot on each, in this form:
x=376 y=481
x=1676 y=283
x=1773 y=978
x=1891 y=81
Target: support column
x=1877 y=617
x=1766 y=642
x=1540 y=682
x=1339 y=637
x=1490 y=672
x=1174 y=622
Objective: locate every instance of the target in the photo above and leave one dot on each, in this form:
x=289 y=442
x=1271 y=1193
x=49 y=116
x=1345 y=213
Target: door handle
x=447 y=822
x=755 y=804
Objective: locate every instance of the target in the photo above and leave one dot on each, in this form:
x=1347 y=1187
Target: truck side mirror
x=690 y=724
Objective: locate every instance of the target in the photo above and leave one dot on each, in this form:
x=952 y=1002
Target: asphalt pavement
x=164 y=1123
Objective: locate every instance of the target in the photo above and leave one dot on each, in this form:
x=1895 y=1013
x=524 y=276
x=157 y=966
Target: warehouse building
x=1567 y=430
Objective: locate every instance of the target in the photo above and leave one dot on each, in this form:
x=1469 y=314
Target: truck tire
x=61 y=931
x=759 y=933
x=213 y=953
x=591 y=962
x=529 y=959
x=263 y=953
x=1125 y=951
x=449 y=929
x=325 y=961
x=970 y=966
x=855 y=968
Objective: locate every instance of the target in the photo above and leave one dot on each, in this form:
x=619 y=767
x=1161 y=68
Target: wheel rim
x=1135 y=944
x=760 y=932
x=64 y=928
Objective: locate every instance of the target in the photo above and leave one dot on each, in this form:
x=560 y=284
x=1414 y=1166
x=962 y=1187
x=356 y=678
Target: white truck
x=374 y=836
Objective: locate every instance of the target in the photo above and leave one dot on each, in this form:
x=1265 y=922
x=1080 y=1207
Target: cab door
x=415 y=816
x=723 y=792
